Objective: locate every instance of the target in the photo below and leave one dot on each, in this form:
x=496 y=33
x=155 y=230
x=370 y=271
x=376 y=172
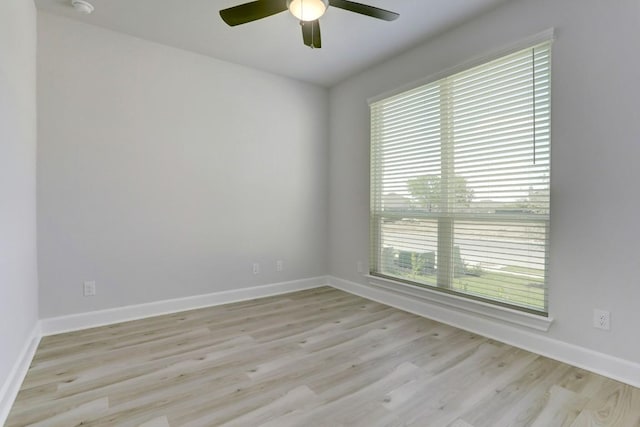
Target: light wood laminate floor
x=314 y=358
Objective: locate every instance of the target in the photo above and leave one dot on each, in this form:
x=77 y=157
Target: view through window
x=460 y=171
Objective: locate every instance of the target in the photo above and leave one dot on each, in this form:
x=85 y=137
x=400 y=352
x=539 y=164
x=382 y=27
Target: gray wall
x=595 y=236
x=164 y=174
x=18 y=274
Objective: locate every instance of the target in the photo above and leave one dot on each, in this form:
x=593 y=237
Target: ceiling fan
x=307 y=11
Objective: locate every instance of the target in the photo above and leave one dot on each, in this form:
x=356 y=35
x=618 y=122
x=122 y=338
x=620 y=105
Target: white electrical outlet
x=359 y=267
x=601 y=319
x=279 y=265
x=256 y=268
x=89 y=288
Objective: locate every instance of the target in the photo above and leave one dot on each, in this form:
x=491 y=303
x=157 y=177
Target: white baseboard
x=619 y=369
x=74 y=322
x=11 y=386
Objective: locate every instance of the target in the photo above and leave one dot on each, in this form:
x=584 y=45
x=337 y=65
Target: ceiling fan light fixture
x=307 y=10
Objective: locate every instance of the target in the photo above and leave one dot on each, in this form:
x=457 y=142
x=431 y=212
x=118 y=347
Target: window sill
x=491 y=311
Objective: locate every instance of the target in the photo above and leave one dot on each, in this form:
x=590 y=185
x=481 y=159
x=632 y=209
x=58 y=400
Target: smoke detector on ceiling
x=82 y=6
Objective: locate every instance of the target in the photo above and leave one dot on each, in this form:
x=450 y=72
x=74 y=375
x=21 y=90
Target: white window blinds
x=460 y=182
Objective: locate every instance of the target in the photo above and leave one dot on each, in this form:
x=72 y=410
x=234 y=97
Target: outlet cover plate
x=89 y=288
x=601 y=319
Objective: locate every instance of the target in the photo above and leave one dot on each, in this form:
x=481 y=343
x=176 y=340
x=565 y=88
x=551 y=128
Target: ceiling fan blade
x=363 y=9
x=252 y=11
x=311 y=34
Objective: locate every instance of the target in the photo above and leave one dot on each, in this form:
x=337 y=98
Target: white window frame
x=457 y=302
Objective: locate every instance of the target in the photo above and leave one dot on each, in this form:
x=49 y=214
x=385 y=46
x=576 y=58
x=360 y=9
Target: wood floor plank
x=613 y=404
x=156 y=422
x=444 y=401
x=560 y=408
x=312 y=358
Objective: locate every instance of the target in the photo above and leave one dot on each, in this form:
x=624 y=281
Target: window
x=460 y=182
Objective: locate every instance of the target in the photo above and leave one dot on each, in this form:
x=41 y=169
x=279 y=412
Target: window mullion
x=375 y=228
x=446 y=202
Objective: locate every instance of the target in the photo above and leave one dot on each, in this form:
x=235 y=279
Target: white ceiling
x=350 y=42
